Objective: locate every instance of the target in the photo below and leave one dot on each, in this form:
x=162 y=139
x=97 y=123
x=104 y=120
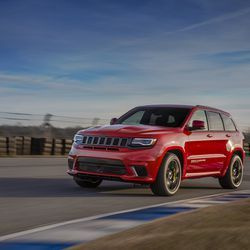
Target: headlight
x=78 y=139
x=142 y=142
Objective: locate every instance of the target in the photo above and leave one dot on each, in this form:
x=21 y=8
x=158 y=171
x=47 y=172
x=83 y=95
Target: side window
x=200 y=116
x=214 y=121
x=228 y=123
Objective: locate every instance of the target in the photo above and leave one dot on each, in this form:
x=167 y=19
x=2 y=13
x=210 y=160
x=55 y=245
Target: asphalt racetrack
x=37 y=191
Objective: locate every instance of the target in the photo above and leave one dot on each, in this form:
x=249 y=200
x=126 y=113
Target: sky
x=100 y=58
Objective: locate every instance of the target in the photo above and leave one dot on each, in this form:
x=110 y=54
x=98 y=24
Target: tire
x=234 y=175
x=90 y=183
x=169 y=176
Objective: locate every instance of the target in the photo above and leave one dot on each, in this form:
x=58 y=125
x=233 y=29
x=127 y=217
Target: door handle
x=209 y=136
x=227 y=135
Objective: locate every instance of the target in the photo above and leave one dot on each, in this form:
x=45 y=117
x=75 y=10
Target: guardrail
x=22 y=145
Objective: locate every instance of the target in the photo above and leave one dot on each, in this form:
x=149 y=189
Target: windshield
x=167 y=117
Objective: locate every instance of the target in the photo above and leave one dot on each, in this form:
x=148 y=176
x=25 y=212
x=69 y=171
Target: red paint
x=204 y=153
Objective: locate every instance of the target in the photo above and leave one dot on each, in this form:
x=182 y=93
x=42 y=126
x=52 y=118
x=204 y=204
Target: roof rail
x=215 y=109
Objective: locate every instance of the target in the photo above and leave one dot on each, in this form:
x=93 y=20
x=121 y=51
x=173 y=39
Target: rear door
x=217 y=151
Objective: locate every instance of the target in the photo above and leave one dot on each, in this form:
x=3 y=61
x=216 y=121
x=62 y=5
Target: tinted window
x=200 y=116
x=228 y=123
x=167 y=117
x=214 y=121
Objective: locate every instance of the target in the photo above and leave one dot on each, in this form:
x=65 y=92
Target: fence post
x=3 y=146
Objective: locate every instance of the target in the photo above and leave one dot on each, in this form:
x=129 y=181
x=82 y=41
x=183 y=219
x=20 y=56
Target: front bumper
x=139 y=166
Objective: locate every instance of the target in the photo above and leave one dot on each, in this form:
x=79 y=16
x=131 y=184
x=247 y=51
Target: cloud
x=102 y=59
x=214 y=20
x=228 y=58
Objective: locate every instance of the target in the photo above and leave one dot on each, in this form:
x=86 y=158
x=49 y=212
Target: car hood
x=127 y=130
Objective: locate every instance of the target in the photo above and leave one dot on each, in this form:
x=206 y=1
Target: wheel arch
x=236 y=151
x=179 y=152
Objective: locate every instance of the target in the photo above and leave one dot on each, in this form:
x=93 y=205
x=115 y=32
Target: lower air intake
x=101 y=166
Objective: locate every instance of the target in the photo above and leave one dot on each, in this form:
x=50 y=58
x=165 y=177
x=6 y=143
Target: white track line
x=43 y=228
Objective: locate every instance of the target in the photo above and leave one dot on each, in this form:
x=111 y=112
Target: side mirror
x=113 y=121
x=197 y=125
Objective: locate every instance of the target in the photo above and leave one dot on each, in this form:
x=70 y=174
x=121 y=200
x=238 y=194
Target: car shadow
x=62 y=187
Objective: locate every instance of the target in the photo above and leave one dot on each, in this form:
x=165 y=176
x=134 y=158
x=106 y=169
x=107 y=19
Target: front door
x=199 y=147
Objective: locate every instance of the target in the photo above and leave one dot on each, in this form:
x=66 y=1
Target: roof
x=183 y=106
x=167 y=106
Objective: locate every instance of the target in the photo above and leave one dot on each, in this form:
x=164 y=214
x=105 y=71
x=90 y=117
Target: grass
x=218 y=227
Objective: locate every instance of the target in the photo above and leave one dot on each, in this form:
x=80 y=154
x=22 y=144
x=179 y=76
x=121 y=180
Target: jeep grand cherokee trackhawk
x=160 y=145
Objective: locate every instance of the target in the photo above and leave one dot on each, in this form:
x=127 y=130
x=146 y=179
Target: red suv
x=160 y=145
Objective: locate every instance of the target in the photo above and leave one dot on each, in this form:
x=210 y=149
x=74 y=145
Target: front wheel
x=169 y=176
x=234 y=175
x=88 y=183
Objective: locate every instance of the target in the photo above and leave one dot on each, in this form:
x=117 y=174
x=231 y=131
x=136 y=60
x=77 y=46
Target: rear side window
x=214 y=121
x=228 y=123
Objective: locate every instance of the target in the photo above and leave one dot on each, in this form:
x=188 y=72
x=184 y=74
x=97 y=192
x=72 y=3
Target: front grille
x=105 y=141
x=102 y=148
x=101 y=166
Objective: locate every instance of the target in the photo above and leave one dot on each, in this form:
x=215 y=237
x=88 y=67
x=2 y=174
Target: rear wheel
x=88 y=183
x=169 y=176
x=234 y=175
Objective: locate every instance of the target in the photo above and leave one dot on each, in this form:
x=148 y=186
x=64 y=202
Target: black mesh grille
x=89 y=141
x=84 y=140
x=101 y=166
x=116 y=141
x=108 y=141
x=105 y=141
x=141 y=170
x=123 y=142
x=101 y=142
x=95 y=140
